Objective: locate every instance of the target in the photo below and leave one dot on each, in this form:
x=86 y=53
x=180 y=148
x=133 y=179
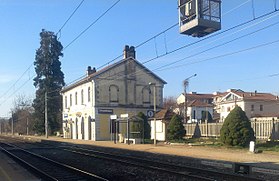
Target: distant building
x=254 y=104
x=197 y=105
x=163 y=119
x=121 y=88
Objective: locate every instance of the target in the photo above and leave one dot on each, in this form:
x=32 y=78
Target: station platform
x=12 y=171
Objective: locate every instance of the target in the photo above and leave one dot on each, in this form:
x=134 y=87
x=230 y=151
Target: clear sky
x=132 y=22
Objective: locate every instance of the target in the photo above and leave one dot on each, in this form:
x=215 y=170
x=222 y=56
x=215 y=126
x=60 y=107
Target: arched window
x=76 y=98
x=66 y=102
x=89 y=94
x=146 y=95
x=71 y=101
x=82 y=97
x=113 y=93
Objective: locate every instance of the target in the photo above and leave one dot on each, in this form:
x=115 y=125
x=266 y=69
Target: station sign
x=105 y=111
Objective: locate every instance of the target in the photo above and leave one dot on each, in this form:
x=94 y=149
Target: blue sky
x=132 y=22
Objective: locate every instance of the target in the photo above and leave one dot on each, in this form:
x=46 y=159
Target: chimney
x=90 y=71
x=129 y=52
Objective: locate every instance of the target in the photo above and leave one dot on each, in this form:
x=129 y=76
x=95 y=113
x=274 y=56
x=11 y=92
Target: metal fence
x=264 y=128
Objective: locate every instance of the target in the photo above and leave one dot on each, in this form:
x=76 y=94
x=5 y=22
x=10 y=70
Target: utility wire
x=119 y=76
x=115 y=75
x=217 y=46
x=59 y=31
x=225 y=55
x=103 y=14
x=16 y=81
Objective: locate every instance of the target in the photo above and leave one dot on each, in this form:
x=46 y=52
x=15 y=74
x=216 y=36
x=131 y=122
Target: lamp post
x=154 y=95
x=185 y=85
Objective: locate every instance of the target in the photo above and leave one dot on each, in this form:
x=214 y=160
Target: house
x=120 y=88
x=197 y=106
x=254 y=104
x=163 y=118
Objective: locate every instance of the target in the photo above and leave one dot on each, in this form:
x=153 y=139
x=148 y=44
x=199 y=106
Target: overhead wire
x=167 y=52
x=114 y=75
x=59 y=31
x=94 y=22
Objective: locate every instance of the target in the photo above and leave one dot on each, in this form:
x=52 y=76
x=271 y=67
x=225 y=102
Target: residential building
x=120 y=88
x=254 y=104
x=197 y=106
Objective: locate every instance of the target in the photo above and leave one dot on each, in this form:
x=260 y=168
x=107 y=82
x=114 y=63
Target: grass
x=268 y=146
x=213 y=142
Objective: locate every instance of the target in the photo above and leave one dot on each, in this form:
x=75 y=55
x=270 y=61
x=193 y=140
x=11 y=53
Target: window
x=146 y=95
x=261 y=107
x=66 y=106
x=113 y=93
x=71 y=102
x=82 y=97
x=76 y=98
x=88 y=92
x=252 y=107
x=228 y=109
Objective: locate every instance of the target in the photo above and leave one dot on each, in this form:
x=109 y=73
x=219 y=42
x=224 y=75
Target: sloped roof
x=99 y=72
x=199 y=96
x=164 y=114
x=250 y=96
x=197 y=103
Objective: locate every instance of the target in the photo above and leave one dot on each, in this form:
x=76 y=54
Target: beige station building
x=121 y=88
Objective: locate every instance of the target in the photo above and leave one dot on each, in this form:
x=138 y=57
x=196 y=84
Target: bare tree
x=22 y=114
x=170 y=103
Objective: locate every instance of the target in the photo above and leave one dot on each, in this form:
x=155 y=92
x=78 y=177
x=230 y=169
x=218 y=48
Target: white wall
x=160 y=130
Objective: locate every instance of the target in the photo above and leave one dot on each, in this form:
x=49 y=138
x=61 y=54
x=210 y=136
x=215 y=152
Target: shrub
x=237 y=130
x=175 y=130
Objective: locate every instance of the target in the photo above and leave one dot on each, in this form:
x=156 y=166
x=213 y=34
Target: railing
x=264 y=128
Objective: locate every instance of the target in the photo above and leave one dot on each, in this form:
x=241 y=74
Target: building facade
x=197 y=105
x=121 y=88
x=253 y=103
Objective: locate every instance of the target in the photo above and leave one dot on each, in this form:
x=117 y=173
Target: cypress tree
x=49 y=79
x=237 y=130
x=175 y=130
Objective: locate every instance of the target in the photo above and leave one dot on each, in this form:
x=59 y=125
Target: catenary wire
x=94 y=22
x=59 y=31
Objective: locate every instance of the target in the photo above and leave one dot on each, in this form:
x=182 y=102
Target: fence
x=264 y=128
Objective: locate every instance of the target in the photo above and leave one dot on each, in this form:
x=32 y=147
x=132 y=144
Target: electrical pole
x=154 y=94
x=46 y=122
x=27 y=129
x=12 y=124
x=185 y=85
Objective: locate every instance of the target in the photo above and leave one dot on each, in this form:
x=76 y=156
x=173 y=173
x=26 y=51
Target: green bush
x=175 y=130
x=237 y=130
x=147 y=128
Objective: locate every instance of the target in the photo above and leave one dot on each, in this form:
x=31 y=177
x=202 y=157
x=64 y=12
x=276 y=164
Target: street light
x=154 y=95
x=185 y=85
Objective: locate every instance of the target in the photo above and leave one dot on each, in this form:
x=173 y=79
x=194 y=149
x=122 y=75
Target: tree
x=49 y=80
x=147 y=128
x=237 y=130
x=175 y=130
x=22 y=114
x=169 y=103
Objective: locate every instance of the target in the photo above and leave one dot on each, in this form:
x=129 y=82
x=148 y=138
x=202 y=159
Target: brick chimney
x=90 y=71
x=129 y=52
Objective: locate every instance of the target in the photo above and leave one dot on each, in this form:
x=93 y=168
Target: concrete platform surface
x=11 y=171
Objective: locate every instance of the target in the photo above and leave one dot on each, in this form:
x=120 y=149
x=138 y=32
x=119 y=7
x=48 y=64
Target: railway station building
x=125 y=87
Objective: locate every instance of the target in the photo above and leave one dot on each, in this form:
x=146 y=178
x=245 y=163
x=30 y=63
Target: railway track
x=185 y=172
x=46 y=168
